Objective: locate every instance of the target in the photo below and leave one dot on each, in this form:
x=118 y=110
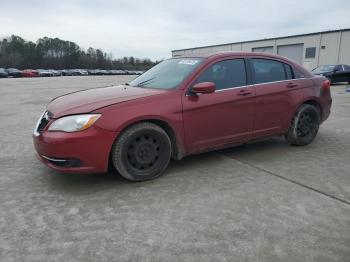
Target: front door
x=223 y=117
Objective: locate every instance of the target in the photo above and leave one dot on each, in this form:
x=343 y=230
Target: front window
x=225 y=74
x=167 y=74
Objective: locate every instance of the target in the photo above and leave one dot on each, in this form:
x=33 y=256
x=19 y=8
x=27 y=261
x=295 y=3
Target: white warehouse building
x=309 y=50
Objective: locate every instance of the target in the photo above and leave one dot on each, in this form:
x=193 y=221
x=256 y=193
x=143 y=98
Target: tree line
x=54 y=53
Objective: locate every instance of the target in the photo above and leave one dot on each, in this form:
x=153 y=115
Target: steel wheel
x=306 y=123
x=304 y=126
x=142 y=152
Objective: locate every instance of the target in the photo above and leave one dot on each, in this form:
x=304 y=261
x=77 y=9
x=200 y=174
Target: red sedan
x=30 y=73
x=182 y=106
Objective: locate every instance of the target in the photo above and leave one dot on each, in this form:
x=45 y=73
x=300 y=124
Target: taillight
x=326 y=85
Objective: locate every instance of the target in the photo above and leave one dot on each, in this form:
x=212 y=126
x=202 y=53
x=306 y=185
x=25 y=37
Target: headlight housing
x=74 y=123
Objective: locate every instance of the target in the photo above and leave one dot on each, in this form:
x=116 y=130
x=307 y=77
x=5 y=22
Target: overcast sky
x=152 y=28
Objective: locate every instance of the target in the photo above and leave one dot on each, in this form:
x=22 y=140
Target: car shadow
x=184 y=169
x=90 y=183
x=273 y=146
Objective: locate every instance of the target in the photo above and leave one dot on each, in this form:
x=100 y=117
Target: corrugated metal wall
x=309 y=50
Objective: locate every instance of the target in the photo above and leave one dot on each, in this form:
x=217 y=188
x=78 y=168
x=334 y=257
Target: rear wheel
x=142 y=152
x=304 y=126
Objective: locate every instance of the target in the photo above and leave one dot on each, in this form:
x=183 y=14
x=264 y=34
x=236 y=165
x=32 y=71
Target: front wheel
x=304 y=126
x=142 y=152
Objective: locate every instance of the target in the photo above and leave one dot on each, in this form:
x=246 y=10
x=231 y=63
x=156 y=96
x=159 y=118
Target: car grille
x=43 y=122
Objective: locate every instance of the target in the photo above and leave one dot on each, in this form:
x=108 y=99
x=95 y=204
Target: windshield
x=324 y=68
x=167 y=74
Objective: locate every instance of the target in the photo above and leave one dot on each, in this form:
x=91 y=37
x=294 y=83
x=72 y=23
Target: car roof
x=227 y=53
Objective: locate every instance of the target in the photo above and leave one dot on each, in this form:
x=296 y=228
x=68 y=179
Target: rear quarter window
x=289 y=71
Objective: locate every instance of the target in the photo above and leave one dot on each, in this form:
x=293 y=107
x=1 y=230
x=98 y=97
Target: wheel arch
x=314 y=103
x=309 y=101
x=176 y=142
x=177 y=152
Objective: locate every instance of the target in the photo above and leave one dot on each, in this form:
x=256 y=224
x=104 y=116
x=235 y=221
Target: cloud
x=153 y=28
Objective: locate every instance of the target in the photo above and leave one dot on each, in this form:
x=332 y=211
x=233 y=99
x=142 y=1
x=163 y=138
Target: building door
x=294 y=52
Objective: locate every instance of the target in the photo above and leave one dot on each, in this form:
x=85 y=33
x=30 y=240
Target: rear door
x=222 y=117
x=277 y=94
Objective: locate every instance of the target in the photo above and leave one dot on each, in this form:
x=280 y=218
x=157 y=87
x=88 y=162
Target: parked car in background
x=180 y=107
x=82 y=72
x=30 y=73
x=13 y=72
x=55 y=72
x=113 y=72
x=3 y=73
x=44 y=72
x=122 y=72
x=335 y=73
x=129 y=72
x=66 y=72
x=91 y=72
x=104 y=72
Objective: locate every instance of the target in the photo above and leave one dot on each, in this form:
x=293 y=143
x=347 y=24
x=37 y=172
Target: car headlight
x=74 y=123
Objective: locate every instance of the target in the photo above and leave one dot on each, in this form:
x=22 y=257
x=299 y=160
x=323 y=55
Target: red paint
x=199 y=122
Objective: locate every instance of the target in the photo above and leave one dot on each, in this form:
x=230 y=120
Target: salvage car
x=180 y=107
x=335 y=73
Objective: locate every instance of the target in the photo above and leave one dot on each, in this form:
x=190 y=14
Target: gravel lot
x=259 y=202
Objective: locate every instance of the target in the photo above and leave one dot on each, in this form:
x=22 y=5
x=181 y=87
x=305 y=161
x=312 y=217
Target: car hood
x=89 y=100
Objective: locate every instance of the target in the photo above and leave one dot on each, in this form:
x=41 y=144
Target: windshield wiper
x=143 y=83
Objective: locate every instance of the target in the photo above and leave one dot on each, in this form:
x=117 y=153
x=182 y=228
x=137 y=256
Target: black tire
x=304 y=126
x=142 y=152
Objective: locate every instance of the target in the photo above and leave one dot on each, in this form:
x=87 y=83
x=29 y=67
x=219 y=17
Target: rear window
x=266 y=70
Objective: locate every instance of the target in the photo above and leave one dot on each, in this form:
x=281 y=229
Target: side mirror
x=204 y=88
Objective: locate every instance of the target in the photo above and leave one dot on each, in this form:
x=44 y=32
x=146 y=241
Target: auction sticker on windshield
x=188 y=62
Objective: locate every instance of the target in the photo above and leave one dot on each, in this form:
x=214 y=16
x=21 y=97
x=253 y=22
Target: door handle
x=291 y=85
x=243 y=93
